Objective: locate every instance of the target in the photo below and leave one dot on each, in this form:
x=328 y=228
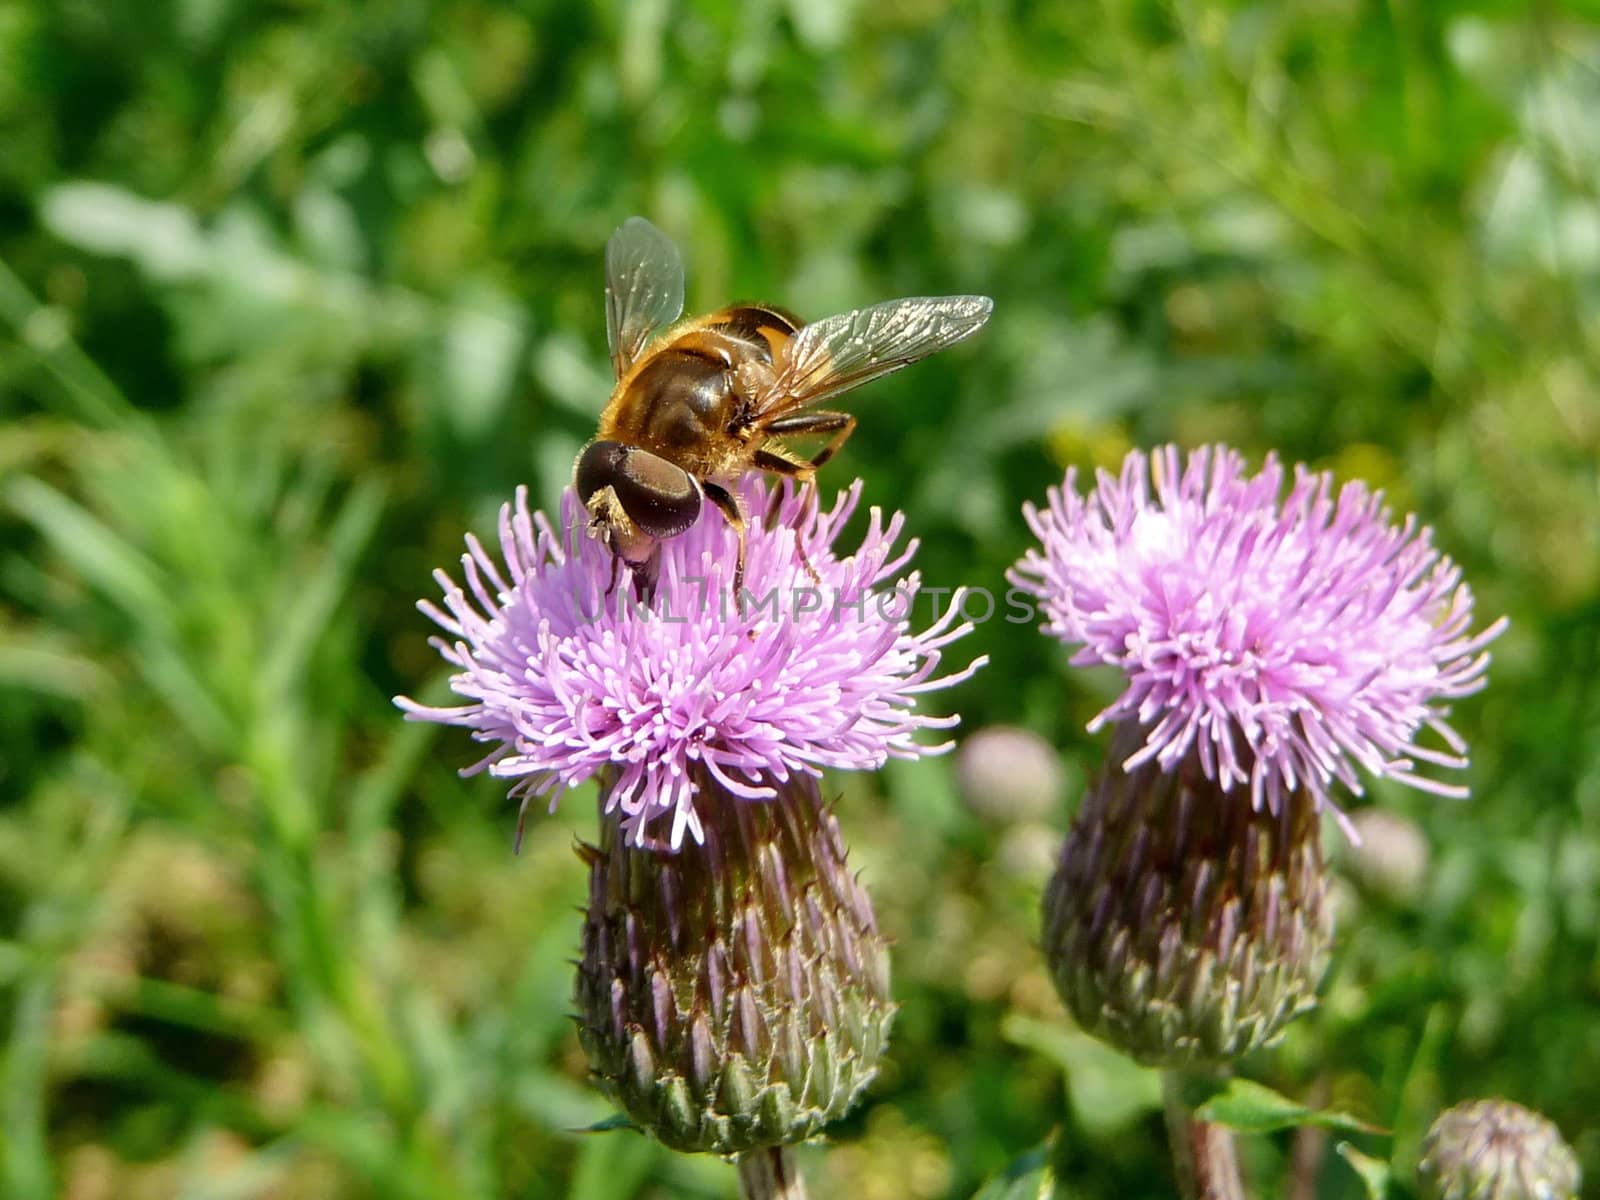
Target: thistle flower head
x=1284 y=642
x=566 y=674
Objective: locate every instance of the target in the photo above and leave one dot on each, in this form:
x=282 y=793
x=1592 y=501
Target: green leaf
x=1375 y=1174
x=1030 y=1177
x=614 y=1121
x=1254 y=1108
x=105 y=558
x=615 y=1168
x=1106 y=1090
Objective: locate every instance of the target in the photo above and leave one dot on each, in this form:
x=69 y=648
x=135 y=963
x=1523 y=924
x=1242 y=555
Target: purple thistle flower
x=1284 y=643
x=568 y=675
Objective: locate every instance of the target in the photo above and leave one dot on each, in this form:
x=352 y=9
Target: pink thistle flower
x=567 y=675
x=1283 y=643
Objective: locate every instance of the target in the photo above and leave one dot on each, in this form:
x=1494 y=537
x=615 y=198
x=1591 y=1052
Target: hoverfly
x=712 y=398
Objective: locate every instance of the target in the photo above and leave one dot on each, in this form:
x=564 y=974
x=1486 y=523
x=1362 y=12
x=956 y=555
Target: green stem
x=770 y=1174
x=1202 y=1153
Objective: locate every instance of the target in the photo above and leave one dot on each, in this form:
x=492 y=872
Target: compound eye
x=597 y=466
x=660 y=498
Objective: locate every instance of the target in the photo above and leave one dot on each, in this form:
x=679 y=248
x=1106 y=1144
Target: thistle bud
x=1496 y=1150
x=1008 y=774
x=733 y=994
x=1390 y=855
x=1181 y=925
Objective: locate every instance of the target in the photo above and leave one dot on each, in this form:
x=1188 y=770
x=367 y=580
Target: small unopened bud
x=733 y=994
x=1181 y=925
x=1391 y=857
x=1496 y=1150
x=1009 y=774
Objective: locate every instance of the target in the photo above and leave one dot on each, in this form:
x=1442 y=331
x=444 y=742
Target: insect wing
x=835 y=354
x=644 y=288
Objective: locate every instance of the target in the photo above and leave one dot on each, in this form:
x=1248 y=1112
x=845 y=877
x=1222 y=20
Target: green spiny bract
x=733 y=994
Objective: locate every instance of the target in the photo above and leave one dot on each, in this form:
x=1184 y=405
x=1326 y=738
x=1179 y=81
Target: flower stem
x=1208 y=1168
x=770 y=1174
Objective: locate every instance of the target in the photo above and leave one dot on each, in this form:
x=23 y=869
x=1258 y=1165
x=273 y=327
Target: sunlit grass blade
x=314 y=599
x=27 y=1168
x=103 y=556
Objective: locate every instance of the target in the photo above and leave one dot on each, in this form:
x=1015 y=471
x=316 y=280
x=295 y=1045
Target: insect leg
x=840 y=425
x=616 y=574
x=805 y=560
x=777 y=460
x=644 y=576
x=728 y=505
x=771 y=460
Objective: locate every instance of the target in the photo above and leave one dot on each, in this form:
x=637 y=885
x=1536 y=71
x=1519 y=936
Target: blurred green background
x=292 y=295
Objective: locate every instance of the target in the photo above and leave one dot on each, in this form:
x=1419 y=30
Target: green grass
x=292 y=296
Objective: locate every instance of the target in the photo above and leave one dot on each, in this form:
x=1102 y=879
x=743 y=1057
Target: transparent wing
x=644 y=288
x=835 y=354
